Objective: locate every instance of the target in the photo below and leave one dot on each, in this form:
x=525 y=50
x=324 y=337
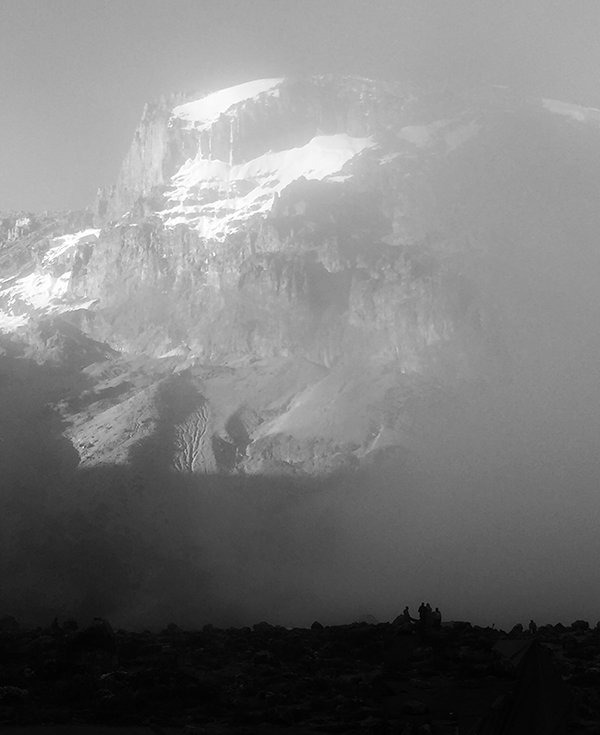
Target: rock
x=97 y=636
x=336 y=681
x=263 y=627
x=414 y=707
x=263 y=657
x=12 y=695
x=8 y=624
x=580 y=625
x=173 y=630
x=368 y=619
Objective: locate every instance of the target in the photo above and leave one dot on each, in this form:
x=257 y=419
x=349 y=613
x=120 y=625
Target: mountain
x=305 y=276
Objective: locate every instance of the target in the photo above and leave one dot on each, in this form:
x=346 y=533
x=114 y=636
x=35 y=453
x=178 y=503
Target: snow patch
x=41 y=292
x=203 y=112
x=11 y=322
x=575 y=112
x=175 y=352
x=74 y=305
x=68 y=242
x=37 y=289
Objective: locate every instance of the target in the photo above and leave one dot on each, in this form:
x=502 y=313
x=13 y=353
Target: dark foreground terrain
x=402 y=677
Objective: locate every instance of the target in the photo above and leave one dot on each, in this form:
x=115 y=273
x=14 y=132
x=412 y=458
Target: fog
x=492 y=546
x=491 y=513
x=494 y=519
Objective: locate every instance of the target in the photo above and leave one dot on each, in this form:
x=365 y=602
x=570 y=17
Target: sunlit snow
x=10 y=322
x=43 y=290
x=211 y=195
x=207 y=110
x=37 y=289
x=67 y=242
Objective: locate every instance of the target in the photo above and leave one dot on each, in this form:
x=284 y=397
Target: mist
x=497 y=545
x=490 y=511
x=493 y=520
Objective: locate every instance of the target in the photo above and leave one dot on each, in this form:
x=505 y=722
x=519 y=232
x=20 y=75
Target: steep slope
x=382 y=247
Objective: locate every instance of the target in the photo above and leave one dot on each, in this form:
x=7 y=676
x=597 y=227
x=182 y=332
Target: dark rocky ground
x=361 y=678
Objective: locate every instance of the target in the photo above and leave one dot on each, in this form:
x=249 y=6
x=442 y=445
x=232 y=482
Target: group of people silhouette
x=428 y=618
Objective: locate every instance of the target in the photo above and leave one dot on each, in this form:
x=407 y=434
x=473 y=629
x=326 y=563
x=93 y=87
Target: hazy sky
x=74 y=74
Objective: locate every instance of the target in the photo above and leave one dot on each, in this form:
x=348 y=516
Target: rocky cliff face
x=233 y=127
x=267 y=220
x=340 y=247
